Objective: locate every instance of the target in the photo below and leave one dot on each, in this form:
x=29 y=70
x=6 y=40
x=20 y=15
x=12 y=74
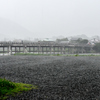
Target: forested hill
x=10 y=29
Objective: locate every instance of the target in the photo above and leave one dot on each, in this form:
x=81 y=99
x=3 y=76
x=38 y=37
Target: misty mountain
x=95 y=37
x=11 y=30
x=83 y=36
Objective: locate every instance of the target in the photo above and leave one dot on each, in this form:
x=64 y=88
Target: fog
x=48 y=18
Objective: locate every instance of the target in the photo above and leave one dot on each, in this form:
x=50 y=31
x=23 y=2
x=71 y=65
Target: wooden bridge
x=43 y=47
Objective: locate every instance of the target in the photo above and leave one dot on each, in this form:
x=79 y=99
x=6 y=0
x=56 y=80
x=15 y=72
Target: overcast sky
x=47 y=18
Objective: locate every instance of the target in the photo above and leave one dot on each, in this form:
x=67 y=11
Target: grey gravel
x=57 y=77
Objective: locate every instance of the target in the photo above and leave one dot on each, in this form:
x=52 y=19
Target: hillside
x=10 y=29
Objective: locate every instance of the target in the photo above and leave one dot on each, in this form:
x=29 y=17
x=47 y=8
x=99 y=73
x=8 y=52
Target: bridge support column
x=33 y=50
x=25 y=49
x=52 y=50
x=3 y=50
x=38 y=49
x=19 y=49
x=15 y=50
x=63 y=50
x=91 y=49
x=42 y=49
x=82 y=50
x=73 y=50
x=46 y=50
x=59 y=51
x=29 y=49
x=49 y=50
x=10 y=50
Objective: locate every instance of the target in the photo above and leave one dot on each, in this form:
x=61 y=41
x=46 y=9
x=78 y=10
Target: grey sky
x=47 y=18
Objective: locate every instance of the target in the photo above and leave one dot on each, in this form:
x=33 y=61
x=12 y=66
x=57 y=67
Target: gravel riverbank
x=57 y=78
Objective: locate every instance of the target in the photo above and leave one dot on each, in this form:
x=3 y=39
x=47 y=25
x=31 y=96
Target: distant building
x=46 y=40
x=64 y=42
x=17 y=40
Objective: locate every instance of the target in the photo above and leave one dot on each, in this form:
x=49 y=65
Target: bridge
x=43 y=47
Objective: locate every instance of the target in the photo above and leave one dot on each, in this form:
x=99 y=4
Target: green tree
x=64 y=39
x=97 y=47
x=79 y=40
x=84 y=41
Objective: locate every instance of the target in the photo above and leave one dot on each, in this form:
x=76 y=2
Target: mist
x=49 y=18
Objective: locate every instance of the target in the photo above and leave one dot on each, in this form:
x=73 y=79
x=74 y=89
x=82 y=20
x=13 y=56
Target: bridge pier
x=10 y=50
x=25 y=49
